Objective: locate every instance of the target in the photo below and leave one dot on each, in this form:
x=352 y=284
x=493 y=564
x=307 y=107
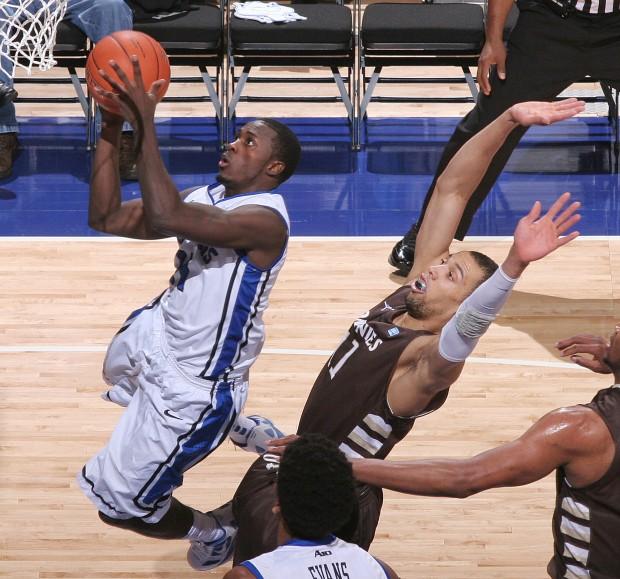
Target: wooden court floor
x=63 y=299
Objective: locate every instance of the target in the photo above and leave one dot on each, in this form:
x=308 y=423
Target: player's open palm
x=536 y=236
x=544 y=113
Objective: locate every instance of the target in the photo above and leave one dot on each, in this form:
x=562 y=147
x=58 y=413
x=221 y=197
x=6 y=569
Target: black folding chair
x=325 y=39
x=418 y=35
x=196 y=39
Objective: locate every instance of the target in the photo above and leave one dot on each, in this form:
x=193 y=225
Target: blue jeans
x=96 y=18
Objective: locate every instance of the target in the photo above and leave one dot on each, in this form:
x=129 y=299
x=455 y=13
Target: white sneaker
x=252 y=433
x=205 y=555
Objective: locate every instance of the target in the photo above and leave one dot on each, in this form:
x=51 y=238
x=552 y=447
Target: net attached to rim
x=28 y=33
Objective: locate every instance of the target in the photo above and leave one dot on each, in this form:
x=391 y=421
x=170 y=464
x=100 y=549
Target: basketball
x=120 y=46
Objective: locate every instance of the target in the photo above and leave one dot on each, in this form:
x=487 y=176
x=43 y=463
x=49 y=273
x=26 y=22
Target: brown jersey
x=348 y=402
x=586 y=521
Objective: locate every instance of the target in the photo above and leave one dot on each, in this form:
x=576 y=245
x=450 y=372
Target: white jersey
x=330 y=558
x=213 y=310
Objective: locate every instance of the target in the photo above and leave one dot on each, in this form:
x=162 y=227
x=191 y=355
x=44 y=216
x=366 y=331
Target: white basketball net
x=28 y=33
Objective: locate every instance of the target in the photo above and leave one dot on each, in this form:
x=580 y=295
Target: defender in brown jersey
x=582 y=443
x=398 y=360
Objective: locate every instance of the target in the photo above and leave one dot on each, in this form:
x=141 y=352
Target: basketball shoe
x=252 y=433
x=403 y=252
x=205 y=555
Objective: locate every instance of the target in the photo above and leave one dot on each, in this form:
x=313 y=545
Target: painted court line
x=70 y=348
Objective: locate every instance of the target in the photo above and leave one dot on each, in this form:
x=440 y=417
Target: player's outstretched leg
x=251 y=433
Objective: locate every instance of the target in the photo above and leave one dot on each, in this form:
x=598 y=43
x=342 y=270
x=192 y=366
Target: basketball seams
x=153 y=50
x=93 y=77
x=93 y=73
x=163 y=68
x=119 y=46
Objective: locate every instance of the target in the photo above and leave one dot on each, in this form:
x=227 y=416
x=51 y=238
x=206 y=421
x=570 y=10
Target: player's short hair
x=487 y=265
x=286 y=147
x=316 y=489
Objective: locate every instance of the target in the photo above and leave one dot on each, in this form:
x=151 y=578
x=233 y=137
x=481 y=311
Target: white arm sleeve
x=460 y=335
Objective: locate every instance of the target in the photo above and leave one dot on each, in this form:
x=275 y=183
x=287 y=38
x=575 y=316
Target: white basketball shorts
x=172 y=422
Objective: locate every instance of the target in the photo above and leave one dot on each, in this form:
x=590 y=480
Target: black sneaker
x=403 y=252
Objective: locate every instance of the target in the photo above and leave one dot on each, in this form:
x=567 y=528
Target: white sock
x=205 y=528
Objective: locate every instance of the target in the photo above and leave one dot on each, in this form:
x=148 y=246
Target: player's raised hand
x=544 y=113
x=536 y=236
x=132 y=98
x=134 y=102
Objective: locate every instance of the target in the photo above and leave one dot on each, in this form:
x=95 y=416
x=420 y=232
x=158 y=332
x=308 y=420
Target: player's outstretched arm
x=465 y=171
x=575 y=438
x=441 y=359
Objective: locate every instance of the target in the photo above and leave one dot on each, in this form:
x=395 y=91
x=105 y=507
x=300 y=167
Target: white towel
x=266 y=12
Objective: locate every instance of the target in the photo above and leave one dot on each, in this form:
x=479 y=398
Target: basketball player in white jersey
x=315 y=497
x=180 y=364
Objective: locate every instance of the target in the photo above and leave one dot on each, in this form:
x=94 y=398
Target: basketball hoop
x=28 y=33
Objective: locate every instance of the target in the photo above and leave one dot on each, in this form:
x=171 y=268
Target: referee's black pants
x=546 y=53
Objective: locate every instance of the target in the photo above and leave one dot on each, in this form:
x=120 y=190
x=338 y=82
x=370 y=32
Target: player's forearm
x=105 y=191
x=497 y=14
x=454 y=189
x=436 y=477
x=160 y=195
x=106 y=211
x=466 y=169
